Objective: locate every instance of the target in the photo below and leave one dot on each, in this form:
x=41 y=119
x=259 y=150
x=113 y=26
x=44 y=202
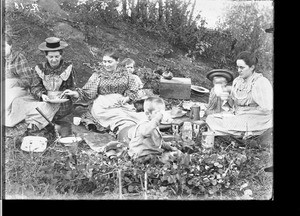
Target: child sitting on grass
x=145 y=138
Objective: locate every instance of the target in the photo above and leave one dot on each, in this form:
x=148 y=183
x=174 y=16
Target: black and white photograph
x=137 y=100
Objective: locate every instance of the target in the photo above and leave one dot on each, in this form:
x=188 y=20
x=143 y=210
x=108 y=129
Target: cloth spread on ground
x=110 y=113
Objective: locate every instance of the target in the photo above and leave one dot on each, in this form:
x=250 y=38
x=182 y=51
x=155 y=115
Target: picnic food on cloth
x=34 y=144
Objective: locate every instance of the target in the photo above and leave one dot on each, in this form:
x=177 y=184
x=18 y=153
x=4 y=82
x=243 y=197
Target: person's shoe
x=32 y=129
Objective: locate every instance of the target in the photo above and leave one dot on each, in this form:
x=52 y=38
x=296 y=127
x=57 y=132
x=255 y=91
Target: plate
x=59 y=100
x=199 y=89
x=69 y=140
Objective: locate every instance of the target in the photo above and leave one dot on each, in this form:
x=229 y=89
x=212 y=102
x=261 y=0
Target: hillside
x=87 y=42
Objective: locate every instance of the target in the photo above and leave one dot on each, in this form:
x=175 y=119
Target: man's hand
x=158 y=117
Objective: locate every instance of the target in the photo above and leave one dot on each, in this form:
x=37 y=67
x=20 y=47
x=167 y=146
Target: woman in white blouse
x=252 y=99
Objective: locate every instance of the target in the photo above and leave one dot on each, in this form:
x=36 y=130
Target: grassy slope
x=133 y=43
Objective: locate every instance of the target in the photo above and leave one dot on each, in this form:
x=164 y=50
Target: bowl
x=54 y=94
x=69 y=140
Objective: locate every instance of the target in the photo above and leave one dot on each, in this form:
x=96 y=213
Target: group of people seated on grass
x=242 y=109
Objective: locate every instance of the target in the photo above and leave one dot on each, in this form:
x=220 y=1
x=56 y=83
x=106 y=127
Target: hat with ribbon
x=220 y=72
x=52 y=44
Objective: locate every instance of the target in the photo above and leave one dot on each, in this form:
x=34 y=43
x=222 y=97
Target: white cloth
x=110 y=112
x=20 y=105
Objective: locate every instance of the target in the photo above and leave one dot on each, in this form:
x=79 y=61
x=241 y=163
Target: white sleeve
x=262 y=93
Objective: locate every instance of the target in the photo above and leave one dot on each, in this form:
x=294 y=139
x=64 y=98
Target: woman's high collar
x=118 y=72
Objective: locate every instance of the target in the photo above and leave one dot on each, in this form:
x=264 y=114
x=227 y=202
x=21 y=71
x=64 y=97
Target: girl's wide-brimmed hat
x=52 y=43
x=220 y=72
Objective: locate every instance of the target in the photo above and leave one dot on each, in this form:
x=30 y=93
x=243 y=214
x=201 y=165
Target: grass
x=26 y=178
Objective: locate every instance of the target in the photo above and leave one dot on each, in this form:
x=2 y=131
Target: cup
x=208 y=139
x=195 y=112
x=224 y=95
x=76 y=120
x=218 y=89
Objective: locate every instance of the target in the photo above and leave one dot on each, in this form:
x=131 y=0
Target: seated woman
x=110 y=89
x=53 y=76
x=252 y=99
x=220 y=79
x=18 y=81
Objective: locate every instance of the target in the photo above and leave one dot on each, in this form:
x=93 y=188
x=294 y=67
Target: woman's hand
x=125 y=100
x=70 y=93
x=45 y=98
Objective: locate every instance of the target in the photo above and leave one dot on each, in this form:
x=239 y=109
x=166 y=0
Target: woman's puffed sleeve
x=262 y=93
x=133 y=87
x=90 y=90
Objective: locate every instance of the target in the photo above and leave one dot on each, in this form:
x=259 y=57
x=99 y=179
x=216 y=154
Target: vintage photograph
x=137 y=99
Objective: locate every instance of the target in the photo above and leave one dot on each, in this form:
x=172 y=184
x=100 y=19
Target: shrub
x=246 y=22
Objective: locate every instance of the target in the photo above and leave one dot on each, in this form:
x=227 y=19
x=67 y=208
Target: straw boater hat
x=52 y=43
x=220 y=72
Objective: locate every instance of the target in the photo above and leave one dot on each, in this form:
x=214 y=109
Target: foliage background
x=176 y=22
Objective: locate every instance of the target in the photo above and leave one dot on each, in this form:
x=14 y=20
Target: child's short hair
x=220 y=78
x=154 y=103
x=128 y=61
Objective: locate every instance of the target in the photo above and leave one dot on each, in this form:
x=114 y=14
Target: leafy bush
x=61 y=170
x=217 y=46
x=246 y=22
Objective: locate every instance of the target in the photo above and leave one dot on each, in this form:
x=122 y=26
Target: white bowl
x=69 y=140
